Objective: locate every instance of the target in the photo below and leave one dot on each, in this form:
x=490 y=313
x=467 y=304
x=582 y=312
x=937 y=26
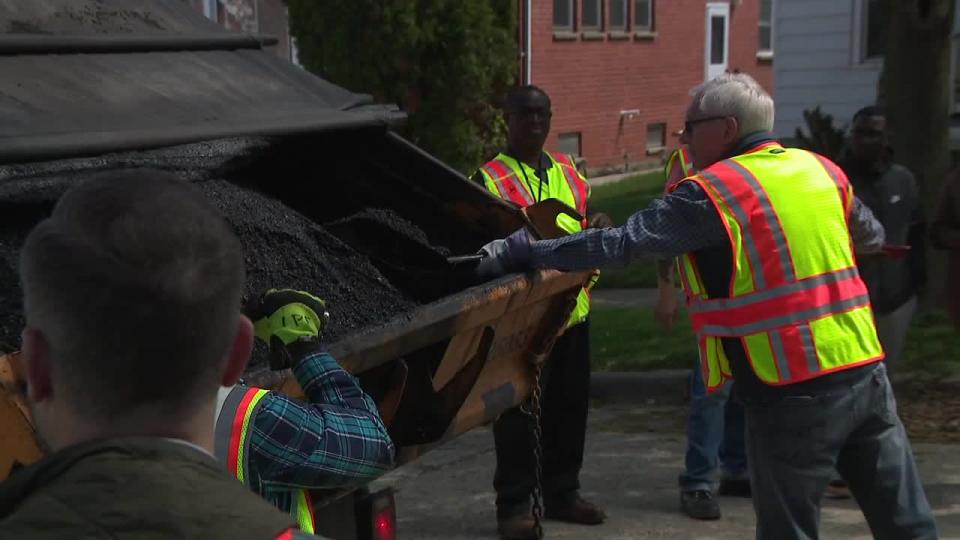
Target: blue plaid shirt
x=681 y=222
x=335 y=440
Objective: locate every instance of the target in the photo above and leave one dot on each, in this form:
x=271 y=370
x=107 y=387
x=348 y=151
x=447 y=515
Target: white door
x=717 y=39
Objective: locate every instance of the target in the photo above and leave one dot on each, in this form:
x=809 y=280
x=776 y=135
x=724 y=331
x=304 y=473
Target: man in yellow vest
x=281 y=448
x=715 y=427
x=525 y=174
x=766 y=237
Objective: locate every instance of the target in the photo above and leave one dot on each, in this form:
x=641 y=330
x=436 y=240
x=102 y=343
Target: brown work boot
x=575 y=510
x=517 y=527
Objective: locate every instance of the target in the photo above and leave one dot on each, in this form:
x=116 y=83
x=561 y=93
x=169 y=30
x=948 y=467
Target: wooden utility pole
x=915 y=88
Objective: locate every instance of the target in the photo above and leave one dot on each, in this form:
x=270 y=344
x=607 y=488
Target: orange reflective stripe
x=578 y=187
x=840 y=179
x=508 y=185
x=238 y=435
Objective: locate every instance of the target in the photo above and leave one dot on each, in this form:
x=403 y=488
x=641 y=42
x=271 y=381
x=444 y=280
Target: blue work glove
x=510 y=254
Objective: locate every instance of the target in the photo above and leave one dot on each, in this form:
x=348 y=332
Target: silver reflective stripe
x=809 y=349
x=780 y=356
x=768 y=294
x=228 y=400
x=752 y=253
x=778 y=237
x=520 y=187
x=790 y=318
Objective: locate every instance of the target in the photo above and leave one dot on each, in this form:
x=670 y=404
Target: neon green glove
x=285 y=316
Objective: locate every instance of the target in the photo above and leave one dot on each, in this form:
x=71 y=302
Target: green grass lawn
x=619 y=200
x=628 y=339
x=933 y=348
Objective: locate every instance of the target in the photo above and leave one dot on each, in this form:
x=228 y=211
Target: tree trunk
x=915 y=88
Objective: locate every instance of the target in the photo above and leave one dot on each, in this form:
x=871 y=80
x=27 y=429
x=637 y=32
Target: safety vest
x=679 y=166
x=236 y=408
x=514 y=181
x=795 y=299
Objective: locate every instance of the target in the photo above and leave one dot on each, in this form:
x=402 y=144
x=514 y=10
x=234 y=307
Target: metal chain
x=532 y=410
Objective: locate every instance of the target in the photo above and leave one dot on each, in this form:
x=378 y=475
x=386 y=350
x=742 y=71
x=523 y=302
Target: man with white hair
x=766 y=236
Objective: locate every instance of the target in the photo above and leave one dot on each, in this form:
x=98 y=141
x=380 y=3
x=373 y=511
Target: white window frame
x=599 y=26
x=626 y=16
x=572 y=10
x=663 y=138
x=578 y=135
x=651 y=11
x=210 y=10
x=859 y=33
x=768 y=52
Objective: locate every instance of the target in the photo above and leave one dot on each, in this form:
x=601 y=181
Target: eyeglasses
x=531 y=113
x=688 y=125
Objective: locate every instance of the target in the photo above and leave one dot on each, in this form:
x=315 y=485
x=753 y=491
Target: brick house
x=253 y=17
x=619 y=71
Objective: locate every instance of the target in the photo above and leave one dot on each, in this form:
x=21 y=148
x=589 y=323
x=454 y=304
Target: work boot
x=516 y=527
x=837 y=489
x=734 y=487
x=574 y=510
x=699 y=504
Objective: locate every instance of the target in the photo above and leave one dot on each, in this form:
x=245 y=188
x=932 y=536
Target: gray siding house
x=830 y=53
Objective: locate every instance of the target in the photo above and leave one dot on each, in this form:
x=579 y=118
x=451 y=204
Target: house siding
x=815 y=66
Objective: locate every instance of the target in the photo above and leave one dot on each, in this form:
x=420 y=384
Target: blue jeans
x=795 y=443
x=715 y=433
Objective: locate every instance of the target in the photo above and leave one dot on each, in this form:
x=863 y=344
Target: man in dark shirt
x=890 y=191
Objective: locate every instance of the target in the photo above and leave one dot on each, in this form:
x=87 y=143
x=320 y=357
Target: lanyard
x=526 y=179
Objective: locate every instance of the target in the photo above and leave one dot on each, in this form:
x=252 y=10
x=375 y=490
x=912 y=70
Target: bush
x=447 y=63
x=824 y=139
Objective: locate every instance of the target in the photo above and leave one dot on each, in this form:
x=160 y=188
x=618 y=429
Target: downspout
x=527 y=38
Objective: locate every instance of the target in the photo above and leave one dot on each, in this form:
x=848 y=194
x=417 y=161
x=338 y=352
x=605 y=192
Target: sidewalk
x=620 y=298
x=611 y=178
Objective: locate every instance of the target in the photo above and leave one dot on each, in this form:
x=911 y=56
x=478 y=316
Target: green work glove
x=282 y=317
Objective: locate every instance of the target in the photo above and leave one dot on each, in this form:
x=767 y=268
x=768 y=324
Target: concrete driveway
x=632 y=460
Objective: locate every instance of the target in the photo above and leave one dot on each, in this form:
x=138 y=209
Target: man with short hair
x=766 y=235
x=131 y=331
x=525 y=174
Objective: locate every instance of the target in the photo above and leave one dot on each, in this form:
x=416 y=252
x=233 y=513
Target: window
x=643 y=15
x=592 y=16
x=765 y=38
x=569 y=143
x=563 y=15
x=656 y=137
x=210 y=10
x=618 y=15
x=718 y=40
x=874 y=35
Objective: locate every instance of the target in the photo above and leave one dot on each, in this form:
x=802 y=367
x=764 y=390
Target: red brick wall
x=590 y=82
x=273 y=19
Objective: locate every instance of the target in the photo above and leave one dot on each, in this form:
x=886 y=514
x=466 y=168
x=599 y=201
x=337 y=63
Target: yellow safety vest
x=236 y=408
x=795 y=299
x=517 y=182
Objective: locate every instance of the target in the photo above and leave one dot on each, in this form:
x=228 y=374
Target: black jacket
x=144 y=488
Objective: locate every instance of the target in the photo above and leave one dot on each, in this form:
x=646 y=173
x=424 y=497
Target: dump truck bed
x=456 y=357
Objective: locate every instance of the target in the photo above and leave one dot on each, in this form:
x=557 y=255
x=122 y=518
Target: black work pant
x=566 y=397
